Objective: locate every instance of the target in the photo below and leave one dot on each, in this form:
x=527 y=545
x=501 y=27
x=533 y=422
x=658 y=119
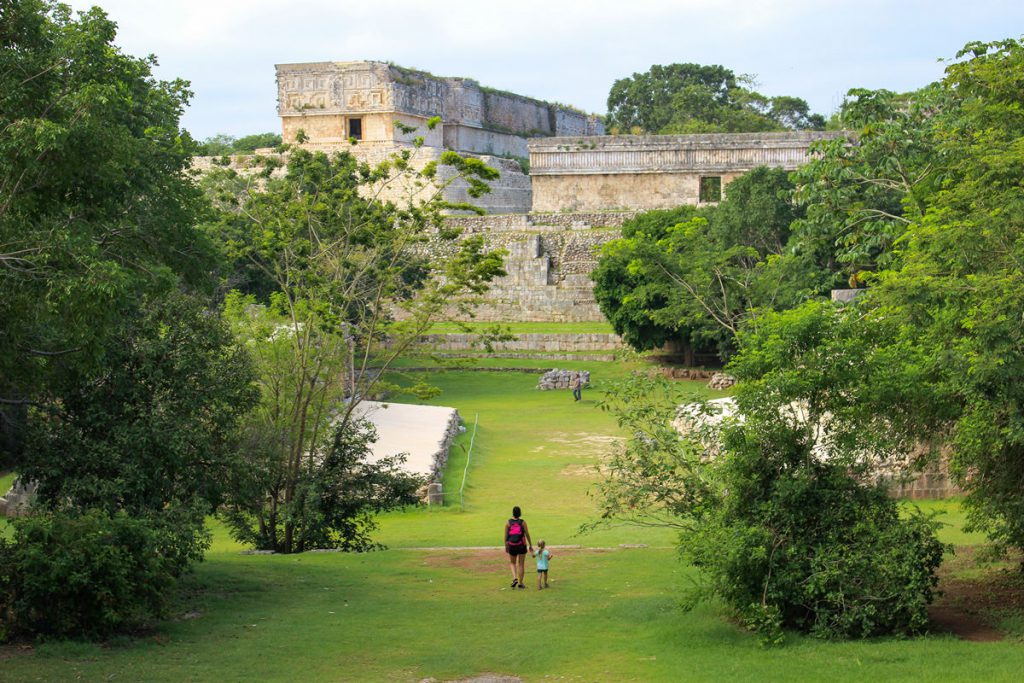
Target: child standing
x=543 y=555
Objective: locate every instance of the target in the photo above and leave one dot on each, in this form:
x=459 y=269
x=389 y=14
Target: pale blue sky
x=564 y=50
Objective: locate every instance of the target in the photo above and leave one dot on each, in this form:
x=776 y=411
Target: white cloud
x=566 y=50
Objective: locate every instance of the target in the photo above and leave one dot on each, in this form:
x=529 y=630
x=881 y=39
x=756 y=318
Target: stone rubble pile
x=18 y=500
x=561 y=379
x=720 y=381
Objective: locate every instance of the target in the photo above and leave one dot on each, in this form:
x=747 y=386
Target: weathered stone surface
x=676 y=372
x=19 y=499
x=652 y=171
x=527 y=342
x=562 y=379
x=423 y=433
x=720 y=381
x=321 y=97
x=846 y=295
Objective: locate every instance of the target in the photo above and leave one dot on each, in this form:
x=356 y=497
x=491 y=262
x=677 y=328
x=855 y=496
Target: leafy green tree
x=356 y=282
x=959 y=284
x=151 y=427
x=778 y=509
x=694 y=98
x=221 y=144
x=929 y=198
x=698 y=275
x=862 y=192
x=96 y=209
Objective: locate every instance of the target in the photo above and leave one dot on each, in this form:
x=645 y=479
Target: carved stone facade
x=653 y=171
x=332 y=102
x=374 y=109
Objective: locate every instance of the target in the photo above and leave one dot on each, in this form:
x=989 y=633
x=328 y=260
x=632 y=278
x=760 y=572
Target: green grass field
x=411 y=613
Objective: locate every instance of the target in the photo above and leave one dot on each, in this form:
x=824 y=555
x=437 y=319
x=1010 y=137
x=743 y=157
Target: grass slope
x=406 y=615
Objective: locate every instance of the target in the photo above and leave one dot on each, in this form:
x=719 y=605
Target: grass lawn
x=406 y=614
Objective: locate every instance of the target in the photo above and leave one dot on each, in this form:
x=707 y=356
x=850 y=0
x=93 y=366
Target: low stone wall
x=540 y=222
x=528 y=342
x=453 y=429
x=933 y=481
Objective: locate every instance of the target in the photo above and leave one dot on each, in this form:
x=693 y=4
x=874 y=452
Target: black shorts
x=515 y=549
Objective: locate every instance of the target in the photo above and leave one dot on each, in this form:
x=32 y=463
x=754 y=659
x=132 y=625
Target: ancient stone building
x=653 y=171
x=582 y=184
x=334 y=102
x=373 y=110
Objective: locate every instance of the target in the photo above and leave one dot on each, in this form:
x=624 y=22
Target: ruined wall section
x=320 y=98
x=655 y=171
x=550 y=258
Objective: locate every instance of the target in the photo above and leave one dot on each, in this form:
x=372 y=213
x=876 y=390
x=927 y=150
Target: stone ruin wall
x=550 y=257
x=652 y=172
x=319 y=97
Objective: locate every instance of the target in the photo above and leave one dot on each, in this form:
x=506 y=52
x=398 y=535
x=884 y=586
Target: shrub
x=94 y=574
x=799 y=543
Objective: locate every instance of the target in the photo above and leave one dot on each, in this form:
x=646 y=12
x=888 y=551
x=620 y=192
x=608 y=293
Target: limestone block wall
x=320 y=96
x=483 y=141
x=582 y=193
x=549 y=264
x=656 y=171
x=528 y=342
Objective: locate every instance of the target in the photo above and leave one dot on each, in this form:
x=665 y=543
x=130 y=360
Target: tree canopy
x=96 y=209
x=351 y=282
x=696 y=275
x=695 y=98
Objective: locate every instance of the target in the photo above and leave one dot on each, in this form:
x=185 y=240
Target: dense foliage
x=696 y=275
x=694 y=98
x=91 y=575
x=95 y=206
x=351 y=282
x=778 y=509
x=151 y=426
x=338 y=492
x=926 y=207
x=221 y=144
x=119 y=385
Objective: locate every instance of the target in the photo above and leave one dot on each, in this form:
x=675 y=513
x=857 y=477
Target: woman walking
x=517 y=544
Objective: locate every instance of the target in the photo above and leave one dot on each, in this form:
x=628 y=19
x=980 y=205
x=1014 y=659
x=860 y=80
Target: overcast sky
x=568 y=51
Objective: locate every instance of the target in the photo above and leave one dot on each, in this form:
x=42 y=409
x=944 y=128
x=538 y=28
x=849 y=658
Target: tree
x=697 y=275
x=357 y=280
x=96 y=209
x=221 y=144
x=152 y=427
x=694 y=98
x=861 y=192
x=959 y=283
x=777 y=507
x=925 y=207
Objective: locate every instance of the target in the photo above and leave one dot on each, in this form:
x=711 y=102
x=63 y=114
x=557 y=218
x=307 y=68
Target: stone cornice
x=718 y=152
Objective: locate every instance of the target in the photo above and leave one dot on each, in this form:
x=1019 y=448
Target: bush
x=338 y=494
x=799 y=543
x=92 y=575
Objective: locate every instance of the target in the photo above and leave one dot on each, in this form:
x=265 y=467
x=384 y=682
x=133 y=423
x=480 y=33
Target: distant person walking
x=577 y=387
x=517 y=544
